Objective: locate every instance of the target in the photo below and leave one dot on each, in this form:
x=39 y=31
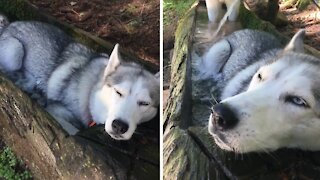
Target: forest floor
x=308 y=18
x=134 y=24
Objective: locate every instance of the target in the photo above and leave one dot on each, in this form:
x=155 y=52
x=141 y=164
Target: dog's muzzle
x=119 y=126
x=223 y=117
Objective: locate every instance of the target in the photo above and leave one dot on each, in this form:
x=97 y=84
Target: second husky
x=75 y=84
x=269 y=95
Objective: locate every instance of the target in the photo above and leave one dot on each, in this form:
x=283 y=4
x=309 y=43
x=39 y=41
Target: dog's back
x=42 y=45
x=240 y=55
x=45 y=62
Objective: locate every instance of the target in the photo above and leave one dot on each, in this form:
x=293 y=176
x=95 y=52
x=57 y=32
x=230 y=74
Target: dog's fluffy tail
x=4 y=22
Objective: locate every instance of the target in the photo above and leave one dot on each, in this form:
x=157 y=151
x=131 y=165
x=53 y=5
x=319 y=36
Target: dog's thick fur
x=269 y=95
x=74 y=83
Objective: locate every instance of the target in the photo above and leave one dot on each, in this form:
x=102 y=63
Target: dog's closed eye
x=259 y=76
x=143 y=103
x=120 y=94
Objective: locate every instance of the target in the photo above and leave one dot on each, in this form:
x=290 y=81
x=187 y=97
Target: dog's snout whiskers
x=214 y=100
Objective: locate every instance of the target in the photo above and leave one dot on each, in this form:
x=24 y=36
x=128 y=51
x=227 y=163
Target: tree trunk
x=48 y=151
x=189 y=150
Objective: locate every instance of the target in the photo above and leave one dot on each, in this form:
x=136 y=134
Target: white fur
x=266 y=122
x=265 y=115
x=86 y=85
x=100 y=102
x=106 y=105
x=296 y=43
x=214 y=9
x=70 y=80
x=11 y=54
x=106 y=109
x=215 y=58
x=58 y=76
x=235 y=83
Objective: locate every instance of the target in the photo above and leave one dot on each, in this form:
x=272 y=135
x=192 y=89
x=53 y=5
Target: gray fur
x=272 y=93
x=251 y=48
x=64 y=75
x=258 y=47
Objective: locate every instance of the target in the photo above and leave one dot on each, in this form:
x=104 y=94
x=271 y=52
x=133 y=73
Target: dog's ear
x=114 y=60
x=157 y=75
x=296 y=43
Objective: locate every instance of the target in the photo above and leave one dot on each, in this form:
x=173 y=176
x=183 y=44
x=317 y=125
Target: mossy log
x=39 y=141
x=43 y=145
x=189 y=150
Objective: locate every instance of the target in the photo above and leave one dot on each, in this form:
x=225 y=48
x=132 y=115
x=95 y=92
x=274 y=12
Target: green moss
x=9 y=166
x=173 y=8
x=303 y=4
x=249 y=20
x=182 y=50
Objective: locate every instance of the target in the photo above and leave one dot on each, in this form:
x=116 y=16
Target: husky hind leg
x=11 y=54
x=214 y=60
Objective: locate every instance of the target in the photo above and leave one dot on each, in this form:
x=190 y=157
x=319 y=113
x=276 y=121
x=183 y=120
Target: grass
x=175 y=8
x=12 y=168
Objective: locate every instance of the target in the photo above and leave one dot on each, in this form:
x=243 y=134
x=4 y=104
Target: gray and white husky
x=77 y=84
x=270 y=96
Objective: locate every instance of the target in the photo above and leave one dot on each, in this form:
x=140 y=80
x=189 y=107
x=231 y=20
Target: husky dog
x=214 y=9
x=77 y=84
x=270 y=96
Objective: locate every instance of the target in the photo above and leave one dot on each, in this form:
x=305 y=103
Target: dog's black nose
x=223 y=117
x=119 y=126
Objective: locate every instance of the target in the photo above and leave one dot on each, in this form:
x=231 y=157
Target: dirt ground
x=308 y=19
x=132 y=23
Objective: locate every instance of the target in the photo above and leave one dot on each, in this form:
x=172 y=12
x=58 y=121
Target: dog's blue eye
x=142 y=103
x=296 y=101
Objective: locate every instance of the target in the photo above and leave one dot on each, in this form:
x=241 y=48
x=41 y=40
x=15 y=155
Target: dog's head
x=280 y=108
x=126 y=96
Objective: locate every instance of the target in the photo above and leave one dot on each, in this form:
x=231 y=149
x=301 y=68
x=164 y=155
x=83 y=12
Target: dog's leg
x=216 y=57
x=11 y=54
x=62 y=115
x=233 y=9
x=214 y=8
